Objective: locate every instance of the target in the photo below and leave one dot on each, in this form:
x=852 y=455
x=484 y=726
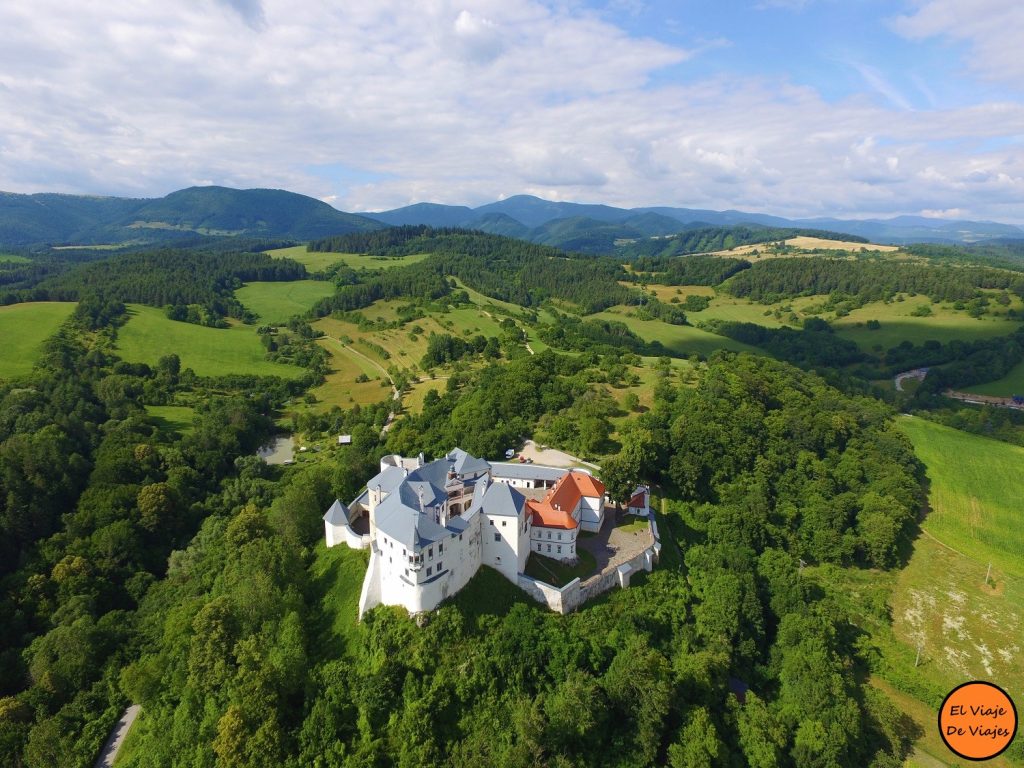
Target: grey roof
x=526 y=471
x=503 y=501
x=466 y=464
x=337 y=514
x=388 y=479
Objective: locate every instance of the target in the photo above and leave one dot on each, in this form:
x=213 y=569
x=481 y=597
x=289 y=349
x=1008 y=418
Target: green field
x=1011 y=384
x=275 y=303
x=174 y=418
x=10 y=258
x=975 y=493
x=681 y=340
x=340 y=386
x=316 y=261
x=899 y=325
x=24 y=328
x=149 y=335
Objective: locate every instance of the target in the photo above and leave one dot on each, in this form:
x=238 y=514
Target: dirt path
x=395 y=394
x=117 y=737
x=973 y=399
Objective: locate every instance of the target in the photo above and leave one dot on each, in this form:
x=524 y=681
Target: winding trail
x=395 y=394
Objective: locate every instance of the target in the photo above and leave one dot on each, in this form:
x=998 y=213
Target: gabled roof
x=465 y=464
x=503 y=501
x=387 y=479
x=555 y=511
x=525 y=471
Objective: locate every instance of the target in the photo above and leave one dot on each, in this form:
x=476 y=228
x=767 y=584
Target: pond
x=280 y=451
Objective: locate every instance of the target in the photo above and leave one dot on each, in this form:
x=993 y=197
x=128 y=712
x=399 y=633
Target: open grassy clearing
x=315 y=261
x=173 y=418
x=149 y=335
x=11 y=258
x=412 y=401
x=945 y=324
x=24 y=328
x=1011 y=384
x=668 y=292
x=276 y=302
x=975 y=494
x=805 y=246
x=679 y=339
x=340 y=386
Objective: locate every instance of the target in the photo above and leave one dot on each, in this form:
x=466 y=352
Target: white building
x=430 y=526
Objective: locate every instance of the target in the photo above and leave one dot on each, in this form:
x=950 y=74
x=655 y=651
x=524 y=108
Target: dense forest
x=500 y=267
x=689 y=270
x=773 y=280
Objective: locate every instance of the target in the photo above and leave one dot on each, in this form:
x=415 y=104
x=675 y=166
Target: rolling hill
x=219 y=211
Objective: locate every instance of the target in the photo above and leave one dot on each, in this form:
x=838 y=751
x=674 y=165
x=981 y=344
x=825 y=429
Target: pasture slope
x=149 y=335
x=275 y=303
x=315 y=261
x=24 y=328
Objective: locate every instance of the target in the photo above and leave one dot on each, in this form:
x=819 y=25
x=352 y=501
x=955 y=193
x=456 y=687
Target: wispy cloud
x=878 y=83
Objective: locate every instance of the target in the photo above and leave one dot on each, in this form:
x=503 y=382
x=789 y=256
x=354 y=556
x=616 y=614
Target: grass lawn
x=557 y=573
x=316 y=261
x=1011 y=384
x=632 y=524
x=11 y=258
x=681 y=340
x=24 y=328
x=149 y=335
x=174 y=418
x=337 y=578
x=412 y=401
x=275 y=303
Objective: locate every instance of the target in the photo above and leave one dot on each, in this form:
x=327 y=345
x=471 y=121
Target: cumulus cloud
x=457 y=101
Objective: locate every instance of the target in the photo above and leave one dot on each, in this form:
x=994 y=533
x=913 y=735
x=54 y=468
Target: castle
x=429 y=526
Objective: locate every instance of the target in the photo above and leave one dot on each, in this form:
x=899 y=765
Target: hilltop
x=218 y=211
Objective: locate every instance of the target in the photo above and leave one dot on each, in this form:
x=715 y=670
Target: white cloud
x=992 y=28
x=460 y=102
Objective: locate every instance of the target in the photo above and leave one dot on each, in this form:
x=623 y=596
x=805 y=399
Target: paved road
x=117 y=737
x=917 y=373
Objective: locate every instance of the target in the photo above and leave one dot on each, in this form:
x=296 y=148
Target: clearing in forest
x=275 y=303
x=149 y=335
x=24 y=328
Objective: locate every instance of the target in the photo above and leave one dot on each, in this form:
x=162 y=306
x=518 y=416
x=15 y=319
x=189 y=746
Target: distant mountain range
x=216 y=211
x=55 y=219
x=570 y=225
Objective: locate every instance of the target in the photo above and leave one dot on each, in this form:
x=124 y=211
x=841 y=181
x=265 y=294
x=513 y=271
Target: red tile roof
x=555 y=511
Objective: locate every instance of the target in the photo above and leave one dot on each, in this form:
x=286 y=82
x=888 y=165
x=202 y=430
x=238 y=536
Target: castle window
x=549 y=547
x=430 y=553
x=504 y=523
x=559 y=535
x=549 y=536
x=440 y=550
x=559 y=549
x=497 y=536
x=491 y=522
x=428 y=570
x=438 y=566
x=460 y=537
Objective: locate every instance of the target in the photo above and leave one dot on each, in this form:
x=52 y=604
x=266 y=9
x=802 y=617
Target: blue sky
x=852 y=108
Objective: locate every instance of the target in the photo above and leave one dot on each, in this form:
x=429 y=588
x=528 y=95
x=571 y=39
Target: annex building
x=429 y=526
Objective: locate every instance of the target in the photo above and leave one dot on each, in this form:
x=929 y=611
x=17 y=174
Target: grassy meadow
x=149 y=335
x=173 y=418
x=274 y=303
x=680 y=339
x=24 y=328
x=316 y=261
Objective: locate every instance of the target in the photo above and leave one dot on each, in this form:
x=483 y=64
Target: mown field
x=315 y=261
x=898 y=324
x=24 y=328
x=276 y=302
x=149 y=335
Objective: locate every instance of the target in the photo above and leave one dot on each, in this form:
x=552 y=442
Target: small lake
x=281 y=451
